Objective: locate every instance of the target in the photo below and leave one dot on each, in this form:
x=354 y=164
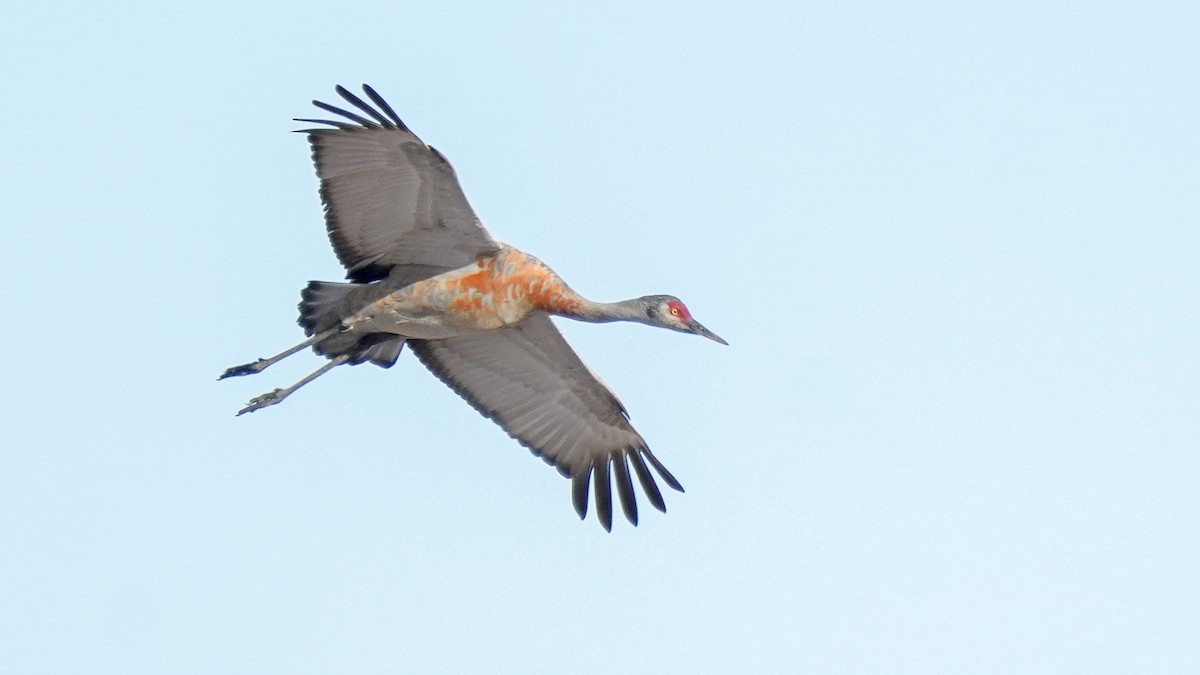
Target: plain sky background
x=954 y=249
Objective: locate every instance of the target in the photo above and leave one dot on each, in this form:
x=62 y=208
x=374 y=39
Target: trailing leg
x=262 y=364
x=277 y=396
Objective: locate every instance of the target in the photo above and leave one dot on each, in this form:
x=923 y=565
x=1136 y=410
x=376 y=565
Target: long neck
x=549 y=293
x=568 y=303
x=604 y=312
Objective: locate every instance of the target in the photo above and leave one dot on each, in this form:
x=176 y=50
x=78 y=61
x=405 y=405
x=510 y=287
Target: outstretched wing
x=529 y=381
x=390 y=200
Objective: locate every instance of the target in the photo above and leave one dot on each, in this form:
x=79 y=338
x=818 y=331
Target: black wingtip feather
x=647 y=481
x=662 y=470
x=332 y=123
x=603 y=494
x=361 y=105
x=383 y=105
x=625 y=488
x=347 y=114
x=579 y=492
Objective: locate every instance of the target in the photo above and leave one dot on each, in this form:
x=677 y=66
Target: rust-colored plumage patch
x=548 y=293
x=469 y=292
x=504 y=289
x=525 y=281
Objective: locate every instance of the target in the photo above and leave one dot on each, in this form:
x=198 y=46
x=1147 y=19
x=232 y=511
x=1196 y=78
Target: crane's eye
x=678 y=311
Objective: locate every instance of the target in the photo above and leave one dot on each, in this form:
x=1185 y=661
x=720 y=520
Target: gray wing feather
x=390 y=200
x=529 y=381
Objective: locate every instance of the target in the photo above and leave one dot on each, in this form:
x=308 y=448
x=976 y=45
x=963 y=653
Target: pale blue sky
x=955 y=252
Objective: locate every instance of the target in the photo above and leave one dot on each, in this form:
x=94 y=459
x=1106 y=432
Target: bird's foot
x=245 y=369
x=259 y=402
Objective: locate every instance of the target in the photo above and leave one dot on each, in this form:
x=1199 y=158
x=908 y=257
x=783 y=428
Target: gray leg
x=261 y=364
x=277 y=396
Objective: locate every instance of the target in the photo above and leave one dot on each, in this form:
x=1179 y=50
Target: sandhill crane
x=422 y=270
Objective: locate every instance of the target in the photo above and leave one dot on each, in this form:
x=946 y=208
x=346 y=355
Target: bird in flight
x=424 y=272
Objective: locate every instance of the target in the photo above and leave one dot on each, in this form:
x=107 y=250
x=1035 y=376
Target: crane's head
x=669 y=311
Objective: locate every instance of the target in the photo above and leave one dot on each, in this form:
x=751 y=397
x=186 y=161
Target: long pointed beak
x=701 y=330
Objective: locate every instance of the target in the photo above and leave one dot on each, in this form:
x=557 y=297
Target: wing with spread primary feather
x=390 y=200
x=529 y=381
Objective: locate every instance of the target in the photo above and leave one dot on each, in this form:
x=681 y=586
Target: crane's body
x=424 y=272
x=493 y=292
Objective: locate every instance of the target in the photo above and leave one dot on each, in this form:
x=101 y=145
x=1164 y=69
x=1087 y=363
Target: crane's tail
x=324 y=304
